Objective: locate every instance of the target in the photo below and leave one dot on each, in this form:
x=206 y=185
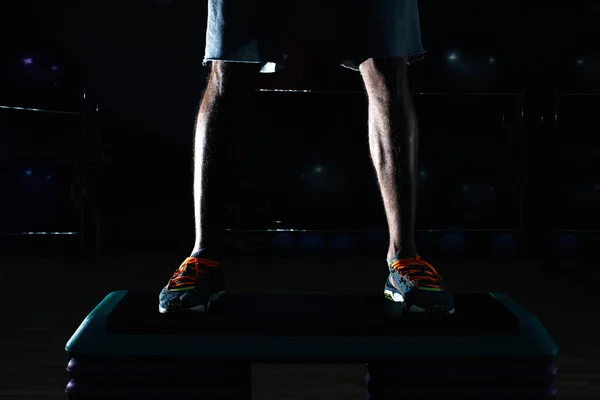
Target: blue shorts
x=339 y=31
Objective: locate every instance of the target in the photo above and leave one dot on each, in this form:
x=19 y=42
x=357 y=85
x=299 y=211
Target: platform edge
x=530 y=327
x=94 y=320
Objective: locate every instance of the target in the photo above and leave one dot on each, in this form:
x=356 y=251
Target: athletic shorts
x=339 y=31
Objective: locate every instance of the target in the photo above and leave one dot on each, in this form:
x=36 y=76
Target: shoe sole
x=199 y=308
x=392 y=294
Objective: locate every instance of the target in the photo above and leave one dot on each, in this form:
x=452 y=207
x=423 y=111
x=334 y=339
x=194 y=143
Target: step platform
x=490 y=348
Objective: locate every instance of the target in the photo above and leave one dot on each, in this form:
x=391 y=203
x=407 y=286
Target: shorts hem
x=206 y=60
x=410 y=59
x=352 y=64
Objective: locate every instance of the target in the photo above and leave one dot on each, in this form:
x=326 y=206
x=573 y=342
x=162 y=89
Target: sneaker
x=415 y=283
x=193 y=287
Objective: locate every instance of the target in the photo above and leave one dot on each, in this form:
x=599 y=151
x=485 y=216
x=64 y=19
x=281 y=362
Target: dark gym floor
x=44 y=300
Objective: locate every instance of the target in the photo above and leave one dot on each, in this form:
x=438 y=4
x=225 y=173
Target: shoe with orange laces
x=415 y=282
x=193 y=287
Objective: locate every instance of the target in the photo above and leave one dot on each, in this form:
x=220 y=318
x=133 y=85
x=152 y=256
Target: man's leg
x=393 y=142
x=230 y=86
x=198 y=280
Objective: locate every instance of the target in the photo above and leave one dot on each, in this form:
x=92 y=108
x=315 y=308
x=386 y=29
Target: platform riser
x=98 y=379
x=77 y=391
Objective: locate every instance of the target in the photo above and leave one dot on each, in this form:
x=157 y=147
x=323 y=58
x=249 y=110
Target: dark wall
x=484 y=164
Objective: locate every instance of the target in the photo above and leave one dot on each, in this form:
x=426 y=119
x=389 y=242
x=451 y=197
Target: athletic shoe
x=193 y=287
x=415 y=283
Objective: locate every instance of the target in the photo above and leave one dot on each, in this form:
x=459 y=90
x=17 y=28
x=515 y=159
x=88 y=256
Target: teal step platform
x=491 y=347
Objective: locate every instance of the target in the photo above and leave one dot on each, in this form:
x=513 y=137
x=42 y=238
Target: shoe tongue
x=398 y=256
x=187 y=271
x=199 y=253
x=208 y=255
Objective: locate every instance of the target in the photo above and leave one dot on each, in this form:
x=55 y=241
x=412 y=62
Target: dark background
x=97 y=107
x=506 y=98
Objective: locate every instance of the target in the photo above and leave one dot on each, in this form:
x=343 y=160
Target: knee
x=385 y=78
x=227 y=76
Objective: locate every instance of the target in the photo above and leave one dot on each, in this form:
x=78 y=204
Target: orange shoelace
x=431 y=279
x=199 y=266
